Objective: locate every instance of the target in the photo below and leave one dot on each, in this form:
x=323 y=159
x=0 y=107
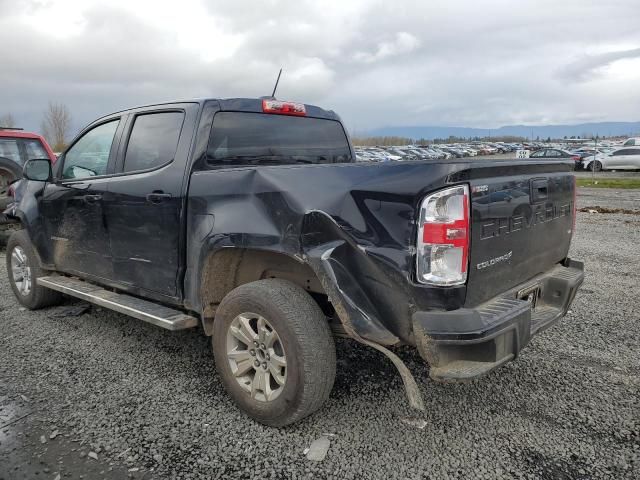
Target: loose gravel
x=128 y=399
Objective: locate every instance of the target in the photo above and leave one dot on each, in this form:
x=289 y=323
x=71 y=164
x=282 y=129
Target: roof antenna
x=273 y=95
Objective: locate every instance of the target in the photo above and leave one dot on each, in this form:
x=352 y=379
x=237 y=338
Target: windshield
x=242 y=138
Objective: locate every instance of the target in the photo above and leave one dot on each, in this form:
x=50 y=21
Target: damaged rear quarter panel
x=353 y=224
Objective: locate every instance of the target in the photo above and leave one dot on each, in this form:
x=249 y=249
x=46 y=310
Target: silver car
x=622 y=159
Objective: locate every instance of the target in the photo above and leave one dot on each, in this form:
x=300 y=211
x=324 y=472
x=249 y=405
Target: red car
x=16 y=147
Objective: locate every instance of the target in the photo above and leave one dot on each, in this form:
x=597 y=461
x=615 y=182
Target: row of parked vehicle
x=439 y=151
x=608 y=156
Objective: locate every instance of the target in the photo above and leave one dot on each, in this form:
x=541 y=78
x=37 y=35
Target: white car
x=622 y=159
x=632 y=142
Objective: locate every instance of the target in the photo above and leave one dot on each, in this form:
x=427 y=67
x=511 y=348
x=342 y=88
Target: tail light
x=576 y=158
x=443 y=237
x=284 y=108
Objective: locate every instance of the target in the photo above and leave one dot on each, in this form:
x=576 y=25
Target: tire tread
x=312 y=332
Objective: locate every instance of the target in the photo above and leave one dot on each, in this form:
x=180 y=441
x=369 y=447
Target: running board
x=159 y=315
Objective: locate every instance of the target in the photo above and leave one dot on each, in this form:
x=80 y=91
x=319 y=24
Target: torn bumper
x=469 y=342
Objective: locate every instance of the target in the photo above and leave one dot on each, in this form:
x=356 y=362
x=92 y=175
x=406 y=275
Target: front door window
x=89 y=156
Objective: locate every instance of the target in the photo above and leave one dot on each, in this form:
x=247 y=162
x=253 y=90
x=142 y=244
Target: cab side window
x=89 y=156
x=153 y=141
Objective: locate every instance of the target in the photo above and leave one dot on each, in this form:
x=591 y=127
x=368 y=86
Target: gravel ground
x=148 y=404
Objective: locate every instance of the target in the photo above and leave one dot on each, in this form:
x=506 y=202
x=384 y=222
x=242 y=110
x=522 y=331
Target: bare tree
x=7 y=121
x=56 y=125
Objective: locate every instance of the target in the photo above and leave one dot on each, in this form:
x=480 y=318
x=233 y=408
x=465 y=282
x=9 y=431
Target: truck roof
x=16 y=133
x=241 y=105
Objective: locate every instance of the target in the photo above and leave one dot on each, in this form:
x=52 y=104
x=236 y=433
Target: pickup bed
x=251 y=218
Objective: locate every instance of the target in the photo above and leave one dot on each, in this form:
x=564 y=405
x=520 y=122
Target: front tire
x=23 y=268
x=595 y=165
x=274 y=351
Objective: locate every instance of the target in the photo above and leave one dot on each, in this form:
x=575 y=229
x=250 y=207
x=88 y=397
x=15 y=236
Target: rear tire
x=23 y=269
x=287 y=373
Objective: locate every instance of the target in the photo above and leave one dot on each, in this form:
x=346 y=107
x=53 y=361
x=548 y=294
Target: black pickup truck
x=252 y=218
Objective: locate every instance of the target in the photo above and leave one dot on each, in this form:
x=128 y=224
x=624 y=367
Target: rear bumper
x=469 y=342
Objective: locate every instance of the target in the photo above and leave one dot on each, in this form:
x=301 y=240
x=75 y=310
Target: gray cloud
x=377 y=63
x=588 y=66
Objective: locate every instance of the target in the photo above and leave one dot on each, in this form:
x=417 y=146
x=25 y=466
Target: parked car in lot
x=632 y=142
x=556 y=154
x=545 y=153
x=16 y=147
x=627 y=158
x=251 y=218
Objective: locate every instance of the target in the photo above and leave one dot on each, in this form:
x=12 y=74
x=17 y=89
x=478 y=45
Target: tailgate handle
x=539 y=189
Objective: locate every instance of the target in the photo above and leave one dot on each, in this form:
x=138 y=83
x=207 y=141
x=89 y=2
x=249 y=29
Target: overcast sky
x=377 y=63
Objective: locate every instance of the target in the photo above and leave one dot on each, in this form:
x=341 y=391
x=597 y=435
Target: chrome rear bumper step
x=159 y=315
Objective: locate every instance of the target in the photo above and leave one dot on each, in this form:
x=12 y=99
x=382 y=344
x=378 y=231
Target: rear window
x=241 y=138
x=9 y=149
x=35 y=149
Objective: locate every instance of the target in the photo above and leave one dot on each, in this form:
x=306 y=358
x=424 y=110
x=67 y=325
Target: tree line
x=55 y=126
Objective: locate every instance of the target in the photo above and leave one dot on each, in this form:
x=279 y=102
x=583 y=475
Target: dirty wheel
x=23 y=268
x=274 y=351
x=256 y=356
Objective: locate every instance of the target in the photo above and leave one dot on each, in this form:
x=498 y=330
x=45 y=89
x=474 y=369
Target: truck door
x=73 y=206
x=145 y=201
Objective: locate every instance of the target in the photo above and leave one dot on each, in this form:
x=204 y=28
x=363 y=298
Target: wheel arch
x=227 y=268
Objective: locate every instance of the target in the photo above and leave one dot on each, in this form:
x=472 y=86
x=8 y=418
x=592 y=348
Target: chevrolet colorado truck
x=252 y=218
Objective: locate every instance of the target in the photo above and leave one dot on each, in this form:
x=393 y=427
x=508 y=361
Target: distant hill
x=543 y=131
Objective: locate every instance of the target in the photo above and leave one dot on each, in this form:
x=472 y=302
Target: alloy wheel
x=256 y=356
x=21 y=271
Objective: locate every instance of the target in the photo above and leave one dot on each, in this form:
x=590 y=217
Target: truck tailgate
x=521 y=226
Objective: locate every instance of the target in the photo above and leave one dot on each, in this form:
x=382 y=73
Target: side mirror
x=38 y=170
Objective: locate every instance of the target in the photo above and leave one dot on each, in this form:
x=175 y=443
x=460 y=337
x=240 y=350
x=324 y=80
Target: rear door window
x=245 y=138
x=153 y=141
x=9 y=150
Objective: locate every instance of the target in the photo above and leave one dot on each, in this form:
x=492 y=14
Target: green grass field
x=609 y=182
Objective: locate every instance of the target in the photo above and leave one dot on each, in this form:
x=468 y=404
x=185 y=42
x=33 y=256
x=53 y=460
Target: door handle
x=92 y=198
x=157 y=197
x=539 y=189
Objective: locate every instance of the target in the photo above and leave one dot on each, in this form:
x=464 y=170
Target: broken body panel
x=344 y=230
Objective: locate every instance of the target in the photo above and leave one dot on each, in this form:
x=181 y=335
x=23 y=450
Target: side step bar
x=159 y=315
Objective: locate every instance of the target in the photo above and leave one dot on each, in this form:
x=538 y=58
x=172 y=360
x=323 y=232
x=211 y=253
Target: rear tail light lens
x=443 y=237
x=284 y=108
